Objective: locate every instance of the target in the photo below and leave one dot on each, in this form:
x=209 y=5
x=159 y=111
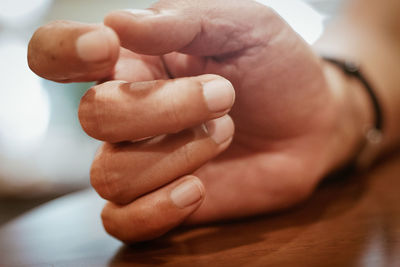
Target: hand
x=170 y=155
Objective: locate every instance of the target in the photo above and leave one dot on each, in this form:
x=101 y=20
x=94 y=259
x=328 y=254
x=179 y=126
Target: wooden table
x=348 y=222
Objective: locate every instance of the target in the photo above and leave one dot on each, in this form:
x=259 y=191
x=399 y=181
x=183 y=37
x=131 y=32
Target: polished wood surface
x=347 y=222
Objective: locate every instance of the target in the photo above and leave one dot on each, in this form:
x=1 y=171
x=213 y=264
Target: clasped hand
x=207 y=110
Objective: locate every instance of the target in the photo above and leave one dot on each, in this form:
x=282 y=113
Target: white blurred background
x=42 y=148
x=43 y=151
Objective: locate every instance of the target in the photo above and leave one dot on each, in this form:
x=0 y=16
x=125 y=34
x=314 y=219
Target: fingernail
x=94 y=46
x=219 y=95
x=140 y=12
x=221 y=129
x=187 y=193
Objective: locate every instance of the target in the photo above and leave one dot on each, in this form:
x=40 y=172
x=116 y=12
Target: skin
x=294 y=119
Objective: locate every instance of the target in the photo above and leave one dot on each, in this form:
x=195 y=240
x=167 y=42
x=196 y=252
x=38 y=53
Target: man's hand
x=170 y=154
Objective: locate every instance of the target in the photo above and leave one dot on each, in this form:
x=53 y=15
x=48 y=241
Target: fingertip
x=189 y=193
x=111 y=19
x=221 y=130
x=33 y=51
x=68 y=51
x=98 y=45
x=219 y=94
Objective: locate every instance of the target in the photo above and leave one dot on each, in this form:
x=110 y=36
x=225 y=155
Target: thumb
x=203 y=28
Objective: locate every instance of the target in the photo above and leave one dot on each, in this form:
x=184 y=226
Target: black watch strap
x=374 y=133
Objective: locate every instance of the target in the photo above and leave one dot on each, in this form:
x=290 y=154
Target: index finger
x=66 y=51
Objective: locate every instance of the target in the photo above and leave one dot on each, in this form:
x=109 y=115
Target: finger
x=156 y=213
x=66 y=51
x=123 y=172
x=118 y=111
x=133 y=67
x=206 y=28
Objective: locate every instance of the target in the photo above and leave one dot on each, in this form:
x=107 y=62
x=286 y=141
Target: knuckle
x=87 y=113
x=92 y=112
x=96 y=114
x=186 y=155
x=181 y=110
x=173 y=114
x=109 y=222
x=138 y=225
x=144 y=225
x=103 y=177
x=142 y=218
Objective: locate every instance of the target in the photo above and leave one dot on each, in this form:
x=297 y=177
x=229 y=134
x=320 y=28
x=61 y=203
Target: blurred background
x=43 y=151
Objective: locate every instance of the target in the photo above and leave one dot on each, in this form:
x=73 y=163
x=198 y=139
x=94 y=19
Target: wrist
x=353 y=115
